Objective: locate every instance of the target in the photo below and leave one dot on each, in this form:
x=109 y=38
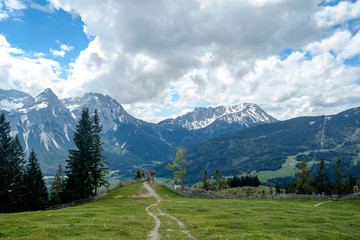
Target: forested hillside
x=267 y=147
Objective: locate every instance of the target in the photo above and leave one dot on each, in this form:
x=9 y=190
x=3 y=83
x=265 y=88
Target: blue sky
x=37 y=31
x=160 y=59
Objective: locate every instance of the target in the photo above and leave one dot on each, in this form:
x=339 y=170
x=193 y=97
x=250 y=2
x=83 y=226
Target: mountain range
x=270 y=146
x=46 y=123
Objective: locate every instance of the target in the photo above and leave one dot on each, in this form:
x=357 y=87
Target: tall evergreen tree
x=78 y=183
x=86 y=165
x=98 y=166
x=11 y=169
x=57 y=187
x=303 y=178
x=339 y=177
x=322 y=178
x=36 y=192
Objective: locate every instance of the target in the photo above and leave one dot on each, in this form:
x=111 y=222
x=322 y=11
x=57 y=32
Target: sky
x=163 y=58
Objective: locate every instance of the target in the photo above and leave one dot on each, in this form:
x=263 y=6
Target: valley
x=239 y=139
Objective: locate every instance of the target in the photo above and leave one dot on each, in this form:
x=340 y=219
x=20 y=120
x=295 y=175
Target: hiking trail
x=154 y=234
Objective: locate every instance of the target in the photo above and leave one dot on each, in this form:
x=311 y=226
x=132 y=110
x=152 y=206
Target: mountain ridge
x=47 y=123
x=267 y=147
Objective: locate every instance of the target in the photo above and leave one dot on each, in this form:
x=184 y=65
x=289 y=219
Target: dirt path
x=154 y=234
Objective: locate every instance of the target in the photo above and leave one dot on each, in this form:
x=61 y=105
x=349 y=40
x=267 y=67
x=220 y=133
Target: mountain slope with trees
x=47 y=124
x=267 y=147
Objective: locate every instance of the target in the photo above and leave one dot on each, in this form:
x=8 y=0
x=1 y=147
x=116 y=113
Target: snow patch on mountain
x=66 y=132
x=245 y=114
x=47 y=138
x=9 y=106
x=26 y=138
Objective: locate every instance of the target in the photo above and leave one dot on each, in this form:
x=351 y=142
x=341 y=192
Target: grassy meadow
x=118 y=216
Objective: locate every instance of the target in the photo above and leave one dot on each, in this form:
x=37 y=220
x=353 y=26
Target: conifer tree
x=78 y=183
x=86 y=166
x=206 y=182
x=339 y=178
x=217 y=177
x=322 y=178
x=303 y=178
x=11 y=169
x=36 y=192
x=57 y=187
x=98 y=166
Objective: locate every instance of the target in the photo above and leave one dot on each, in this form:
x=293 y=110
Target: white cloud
x=63 y=50
x=10 y=7
x=57 y=53
x=39 y=55
x=143 y=53
x=32 y=75
x=66 y=48
x=338 y=14
x=3 y=15
x=14 y=5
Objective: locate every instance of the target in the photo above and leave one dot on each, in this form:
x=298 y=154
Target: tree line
x=320 y=182
x=234 y=182
x=22 y=185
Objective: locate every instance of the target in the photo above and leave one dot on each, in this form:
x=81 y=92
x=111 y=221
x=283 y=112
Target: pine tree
x=178 y=166
x=303 y=178
x=11 y=169
x=217 y=177
x=206 y=182
x=98 y=166
x=36 y=192
x=57 y=187
x=339 y=178
x=321 y=179
x=79 y=183
x=86 y=166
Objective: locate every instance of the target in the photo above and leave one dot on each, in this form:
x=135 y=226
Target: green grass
x=117 y=216
x=244 y=190
x=288 y=169
x=264 y=218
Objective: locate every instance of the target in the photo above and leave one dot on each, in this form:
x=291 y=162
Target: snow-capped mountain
x=111 y=113
x=11 y=100
x=46 y=118
x=246 y=115
x=47 y=124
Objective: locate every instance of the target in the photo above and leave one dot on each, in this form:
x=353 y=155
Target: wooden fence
x=264 y=196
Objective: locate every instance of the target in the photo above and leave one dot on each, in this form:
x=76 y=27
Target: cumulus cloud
x=57 y=53
x=159 y=57
x=33 y=75
x=10 y=7
x=173 y=36
x=63 y=50
x=339 y=14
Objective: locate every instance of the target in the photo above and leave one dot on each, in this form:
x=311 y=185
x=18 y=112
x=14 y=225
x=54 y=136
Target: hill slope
x=120 y=216
x=267 y=147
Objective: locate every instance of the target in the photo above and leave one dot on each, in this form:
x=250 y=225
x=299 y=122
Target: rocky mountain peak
x=11 y=100
x=245 y=114
x=47 y=96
